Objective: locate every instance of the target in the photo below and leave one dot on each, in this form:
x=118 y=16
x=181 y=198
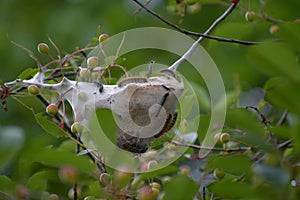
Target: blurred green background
x=73 y=23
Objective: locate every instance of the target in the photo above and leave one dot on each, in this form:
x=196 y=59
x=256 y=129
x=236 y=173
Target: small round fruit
x=105 y=178
x=219 y=173
x=193 y=9
x=71 y=192
x=53 y=197
x=152 y=164
x=68 y=174
x=272 y=159
x=172 y=9
x=52 y=109
x=76 y=128
x=92 y=62
x=84 y=73
x=217 y=138
x=146 y=193
x=166 y=179
x=122 y=176
x=185 y=170
x=274 y=29
x=155 y=185
x=43 y=48
x=33 y=90
x=155 y=192
x=103 y=38
x=22 y=192
x=225 y=137
x=249 y=16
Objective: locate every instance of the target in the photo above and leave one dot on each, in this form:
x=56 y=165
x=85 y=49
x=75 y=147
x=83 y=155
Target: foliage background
x=73 y=23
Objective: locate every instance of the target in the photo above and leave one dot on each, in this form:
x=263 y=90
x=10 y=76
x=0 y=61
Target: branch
x=262 y=116
x=191 y=32
x=193 y=48
x=197 y=147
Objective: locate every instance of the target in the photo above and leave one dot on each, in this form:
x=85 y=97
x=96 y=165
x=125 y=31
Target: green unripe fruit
x=172 y=9
x=33 y=90
x=225 y=137
x=122 y=176
x=166 y=179
x=193 y=9
x=219 y=173
x=92 y=62
x=52 y=109
x=217 y=138
x=185 y=170
x=249 y=16
x=43 y=48
x=85 y=73
x=76 y=128
x=155 y=192
x=105 y=178
x=155 y=185
x=146 y=193
x=103 y=38
x=71 y=192
x=53 y=197
x=272 y=159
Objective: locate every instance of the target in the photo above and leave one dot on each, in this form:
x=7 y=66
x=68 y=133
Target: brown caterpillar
x=170 y=122
x=128 y=80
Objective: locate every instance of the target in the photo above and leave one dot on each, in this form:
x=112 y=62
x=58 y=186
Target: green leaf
x=163 y=171
x=274 y=175
x=289 y=32
x=28 y=73
x=6 y=184
x=230 y=189
x=54 y=158
x=244 y=120
x=283 y=95
x=11 y=141
x=235 y=164
x=49 y=126
x=39 y=180
x=276 y=59
x=180 y=187
x=254 y=140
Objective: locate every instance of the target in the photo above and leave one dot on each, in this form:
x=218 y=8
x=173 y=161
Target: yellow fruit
x=43 y=48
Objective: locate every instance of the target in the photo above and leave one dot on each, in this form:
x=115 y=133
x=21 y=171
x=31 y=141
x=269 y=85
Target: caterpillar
x=128 y=80
x=170 y=122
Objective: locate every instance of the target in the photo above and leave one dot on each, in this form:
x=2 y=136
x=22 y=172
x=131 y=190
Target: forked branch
x=185 y=31
x=193 y=48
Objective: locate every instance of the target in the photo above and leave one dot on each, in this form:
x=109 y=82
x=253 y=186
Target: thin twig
x=237 y=149
x=193 y=48
x=182 y=30
x=282 y=118
x=139 y=9
x=285 y=144
x=262 y=116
